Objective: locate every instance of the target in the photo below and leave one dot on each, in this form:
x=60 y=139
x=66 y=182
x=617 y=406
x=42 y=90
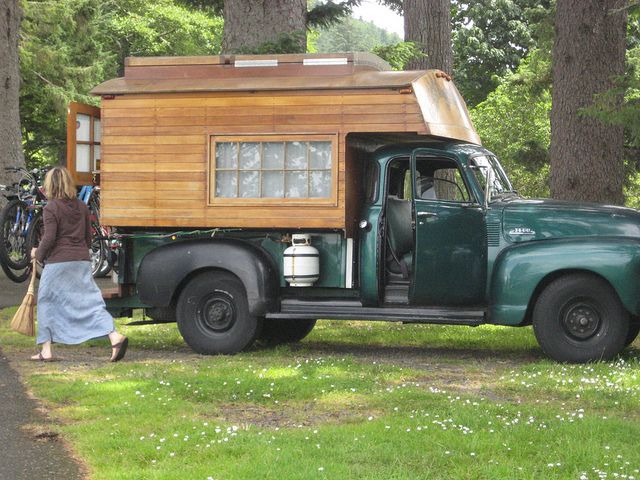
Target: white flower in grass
x=321 y=469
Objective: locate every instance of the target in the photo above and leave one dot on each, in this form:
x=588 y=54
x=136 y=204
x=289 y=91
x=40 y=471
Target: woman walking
x=70 y=305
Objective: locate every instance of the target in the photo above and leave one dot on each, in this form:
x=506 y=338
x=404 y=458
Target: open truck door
x=84 y=136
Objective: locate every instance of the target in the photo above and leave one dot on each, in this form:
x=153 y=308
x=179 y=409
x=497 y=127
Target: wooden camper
x=256 y=141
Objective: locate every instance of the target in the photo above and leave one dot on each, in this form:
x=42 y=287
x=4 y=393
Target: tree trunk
x=589 y=51
x=250 y=24
x=10 y=138
x=428 y=23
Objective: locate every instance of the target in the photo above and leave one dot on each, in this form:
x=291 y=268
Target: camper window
x=267 y=169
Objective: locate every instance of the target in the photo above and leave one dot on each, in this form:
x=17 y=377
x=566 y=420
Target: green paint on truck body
x=466 y=254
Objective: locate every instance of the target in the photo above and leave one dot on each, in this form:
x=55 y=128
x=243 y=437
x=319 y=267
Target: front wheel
x=14 y=225
x=634 y=330
x=579 y=318
x=213 y=314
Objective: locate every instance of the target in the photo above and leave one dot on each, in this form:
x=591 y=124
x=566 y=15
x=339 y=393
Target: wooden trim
x=273 y=202
x=81 y=178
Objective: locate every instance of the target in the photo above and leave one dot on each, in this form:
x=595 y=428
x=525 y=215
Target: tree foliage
x=513 y=122
x=491 y=37
x=353 y=35
x=69 y=46
x=398 y=55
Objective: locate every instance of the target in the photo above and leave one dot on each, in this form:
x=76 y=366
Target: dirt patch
x=288 y=416
x=40 y=432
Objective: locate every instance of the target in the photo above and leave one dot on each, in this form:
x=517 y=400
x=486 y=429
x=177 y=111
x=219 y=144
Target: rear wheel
x=13 y=228
x=284 y=330
x=213 y=314
x=17 y=276
x=98 y=251
x=579 y=318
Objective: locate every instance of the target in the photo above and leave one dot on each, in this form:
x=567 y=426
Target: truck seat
x=425 y=188
x=399 y=231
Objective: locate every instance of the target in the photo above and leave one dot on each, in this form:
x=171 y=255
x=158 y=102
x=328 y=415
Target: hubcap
x=581 y=321
x=216 y=313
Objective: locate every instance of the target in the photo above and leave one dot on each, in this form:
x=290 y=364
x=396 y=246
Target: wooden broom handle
x=33 y=277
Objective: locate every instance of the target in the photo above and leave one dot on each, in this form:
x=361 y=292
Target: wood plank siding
x=161 y=121
x=155 y=151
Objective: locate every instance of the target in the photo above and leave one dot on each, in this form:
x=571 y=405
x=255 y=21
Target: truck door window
x=440 y=179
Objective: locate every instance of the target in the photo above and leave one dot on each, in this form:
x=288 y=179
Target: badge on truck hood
x=522 y=231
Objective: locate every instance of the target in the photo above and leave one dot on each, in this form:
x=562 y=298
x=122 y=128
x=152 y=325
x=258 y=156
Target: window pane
x=249 y=184
x=249 y=156
x=296 y=155
x=226 y=183
x=296 y=184
x=319 y=155
x=97 y=130
x=96 y=157
x=83 y=158
x=320 y=184
x=83 y=126
x=273 y=184
x=273 y=156
x=226 y=155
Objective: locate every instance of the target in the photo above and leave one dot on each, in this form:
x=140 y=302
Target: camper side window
x=257 y=168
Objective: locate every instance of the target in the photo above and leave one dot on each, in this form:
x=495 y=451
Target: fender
x=163 y=270
x=520 y=269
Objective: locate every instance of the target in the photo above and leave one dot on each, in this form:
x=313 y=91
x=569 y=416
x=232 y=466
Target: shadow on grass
x=414 y=353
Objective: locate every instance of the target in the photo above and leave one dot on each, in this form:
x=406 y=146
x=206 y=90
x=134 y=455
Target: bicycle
x=21 y=223
x=101 y=256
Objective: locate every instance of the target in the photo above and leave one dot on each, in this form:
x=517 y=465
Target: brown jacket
x=67 y=232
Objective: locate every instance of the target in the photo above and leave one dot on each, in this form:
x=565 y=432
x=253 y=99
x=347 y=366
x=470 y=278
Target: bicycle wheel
x=14 y=220
x=36 y=231
x=17 y=276
x=98 y=251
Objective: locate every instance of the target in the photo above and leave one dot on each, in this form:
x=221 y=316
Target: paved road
x=25 y=454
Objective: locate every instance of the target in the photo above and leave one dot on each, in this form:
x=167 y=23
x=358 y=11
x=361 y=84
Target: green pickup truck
x=443 y=238
x=251 y=196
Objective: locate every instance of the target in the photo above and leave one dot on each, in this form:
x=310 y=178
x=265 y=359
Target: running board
x=353 y=310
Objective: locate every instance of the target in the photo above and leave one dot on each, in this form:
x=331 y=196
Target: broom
x=23 y=321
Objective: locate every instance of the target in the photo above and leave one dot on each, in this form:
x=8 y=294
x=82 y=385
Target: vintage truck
x=252 y=195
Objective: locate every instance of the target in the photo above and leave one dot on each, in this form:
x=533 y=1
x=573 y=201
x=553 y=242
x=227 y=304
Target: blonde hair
x=59 y=184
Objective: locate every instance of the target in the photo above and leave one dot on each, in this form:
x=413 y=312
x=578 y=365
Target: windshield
x=499 y=182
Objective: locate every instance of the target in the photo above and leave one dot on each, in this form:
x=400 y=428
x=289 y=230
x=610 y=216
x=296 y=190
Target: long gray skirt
x=70 y=305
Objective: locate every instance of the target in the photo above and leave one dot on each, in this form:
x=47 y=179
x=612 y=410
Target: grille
x=493 y=234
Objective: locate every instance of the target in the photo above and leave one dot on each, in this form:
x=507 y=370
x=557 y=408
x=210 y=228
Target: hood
x=525 y=220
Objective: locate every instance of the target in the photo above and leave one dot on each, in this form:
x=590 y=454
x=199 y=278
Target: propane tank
x=301 y=262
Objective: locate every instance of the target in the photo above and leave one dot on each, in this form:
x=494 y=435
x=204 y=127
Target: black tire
x=13 y=238
x=283 y=330
x=579 y=318
x=17 y=276
x=161 y=314
x=98 y=251
x=634 y=329
x=213 y=314
x=36 y=231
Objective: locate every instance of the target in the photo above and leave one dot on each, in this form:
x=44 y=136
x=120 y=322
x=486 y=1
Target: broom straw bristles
x=24 y=319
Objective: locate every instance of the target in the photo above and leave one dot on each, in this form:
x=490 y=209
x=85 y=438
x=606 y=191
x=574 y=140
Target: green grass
x=354 y=400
